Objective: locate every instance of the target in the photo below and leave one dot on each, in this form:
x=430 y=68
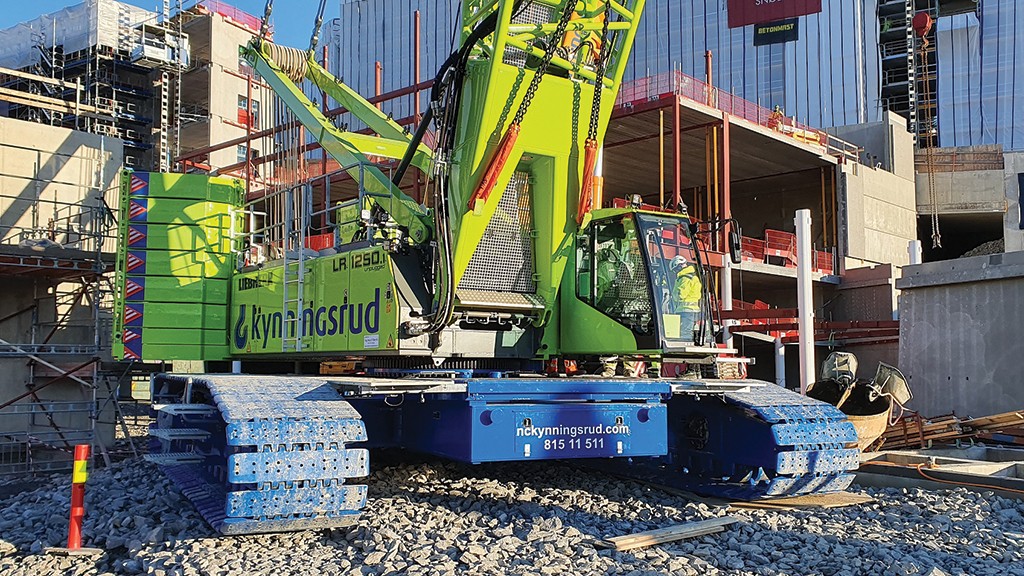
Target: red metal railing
x=677 y=83
x=779 y=248
x=752 y=249
x=779 y=244
x=228 y=11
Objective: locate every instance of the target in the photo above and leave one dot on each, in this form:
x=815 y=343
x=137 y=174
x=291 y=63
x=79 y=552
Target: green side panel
x=180 y=264
x=193 y=316
x=184 y=352
x=175 y=211
x=584 y=329
x=184 y=337
x=183 y=238
x=180 y=290
x=197 y=187
x=174 y=265
x=349 y=307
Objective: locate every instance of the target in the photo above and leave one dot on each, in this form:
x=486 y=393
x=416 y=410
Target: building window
x=243 y=112
x=242 y=159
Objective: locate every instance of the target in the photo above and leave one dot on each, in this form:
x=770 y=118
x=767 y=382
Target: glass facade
x=829 y=77
x=981 y=76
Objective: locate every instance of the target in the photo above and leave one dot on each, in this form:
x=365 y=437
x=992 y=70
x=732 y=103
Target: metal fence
x=679 y=84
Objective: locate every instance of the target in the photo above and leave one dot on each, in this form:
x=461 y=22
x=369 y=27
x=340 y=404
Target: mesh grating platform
x=530 y=14
x=503 y=261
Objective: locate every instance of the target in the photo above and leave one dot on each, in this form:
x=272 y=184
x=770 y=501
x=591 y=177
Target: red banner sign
x=745 y=12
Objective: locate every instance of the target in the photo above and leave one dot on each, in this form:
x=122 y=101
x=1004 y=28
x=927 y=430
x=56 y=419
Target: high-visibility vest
x=688 y=290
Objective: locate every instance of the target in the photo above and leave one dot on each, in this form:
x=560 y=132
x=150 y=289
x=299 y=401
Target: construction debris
x=913 y=431
x=670 y=534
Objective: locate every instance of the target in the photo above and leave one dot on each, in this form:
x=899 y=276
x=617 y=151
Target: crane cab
x=636 y=286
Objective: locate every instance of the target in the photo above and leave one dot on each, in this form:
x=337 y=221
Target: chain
x=602 y=62
x=563 y=24
x=929 y=153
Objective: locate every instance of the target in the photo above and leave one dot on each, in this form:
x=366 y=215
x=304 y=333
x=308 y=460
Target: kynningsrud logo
x=255 y=328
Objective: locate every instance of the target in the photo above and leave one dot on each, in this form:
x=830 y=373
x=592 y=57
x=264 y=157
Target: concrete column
x=916 y=252
x=805 y=297
x=780 y=362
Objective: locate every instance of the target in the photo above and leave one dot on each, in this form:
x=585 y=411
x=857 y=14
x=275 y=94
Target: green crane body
x=523 y=269
x=352 y=302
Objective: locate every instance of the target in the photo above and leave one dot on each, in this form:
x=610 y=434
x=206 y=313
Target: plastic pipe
x=805 y=297
x=780 y=362
x=915 y=250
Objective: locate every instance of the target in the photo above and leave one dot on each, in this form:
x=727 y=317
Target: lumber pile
x=913 y=431
x=670 y=534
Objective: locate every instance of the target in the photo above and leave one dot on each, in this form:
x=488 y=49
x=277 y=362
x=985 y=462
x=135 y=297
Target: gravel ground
x=432 y=517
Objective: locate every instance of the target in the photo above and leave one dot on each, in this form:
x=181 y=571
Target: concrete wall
x=880 y=217
x=1013 y=227
x=971 y=191
x=886 y=144
x=881 y=213
x=47 y=168
x=962 y=335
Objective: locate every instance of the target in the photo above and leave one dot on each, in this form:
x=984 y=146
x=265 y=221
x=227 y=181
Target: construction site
x=512 y=287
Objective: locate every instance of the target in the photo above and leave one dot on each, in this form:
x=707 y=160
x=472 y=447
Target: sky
x=292 y=19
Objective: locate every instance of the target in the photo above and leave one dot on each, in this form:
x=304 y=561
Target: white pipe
x=805 y=297
x=916 y=252
x=236 y=366
x=727 y=301
x=780 y=362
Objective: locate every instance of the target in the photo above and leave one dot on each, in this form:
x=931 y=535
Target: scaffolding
x=909 y=66
x=55 y=342
x=57 y=240
x=123 y=57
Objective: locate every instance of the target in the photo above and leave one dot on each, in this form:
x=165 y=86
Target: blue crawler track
x=764 y=442
x=261 y=453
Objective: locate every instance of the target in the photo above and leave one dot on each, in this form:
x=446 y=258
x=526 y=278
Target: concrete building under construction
x=123 y=57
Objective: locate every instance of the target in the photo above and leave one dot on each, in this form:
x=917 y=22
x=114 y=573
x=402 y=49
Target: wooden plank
x=45 y=79
x=40 y=101
x=337 y=368
x=670 y=534
x=827 y=501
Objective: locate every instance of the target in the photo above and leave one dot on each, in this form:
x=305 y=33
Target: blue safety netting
x=981 y=76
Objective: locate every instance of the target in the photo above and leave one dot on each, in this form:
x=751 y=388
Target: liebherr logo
x=255 y=328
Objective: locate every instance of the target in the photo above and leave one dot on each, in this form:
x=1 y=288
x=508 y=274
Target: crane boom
x=351 y=150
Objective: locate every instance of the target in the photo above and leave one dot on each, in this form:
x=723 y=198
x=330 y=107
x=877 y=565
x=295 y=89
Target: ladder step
x=175 y=458
x=172 y=434
x=186 y=409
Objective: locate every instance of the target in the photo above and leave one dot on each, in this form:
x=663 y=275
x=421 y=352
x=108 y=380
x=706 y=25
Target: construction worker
x=686 y=293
